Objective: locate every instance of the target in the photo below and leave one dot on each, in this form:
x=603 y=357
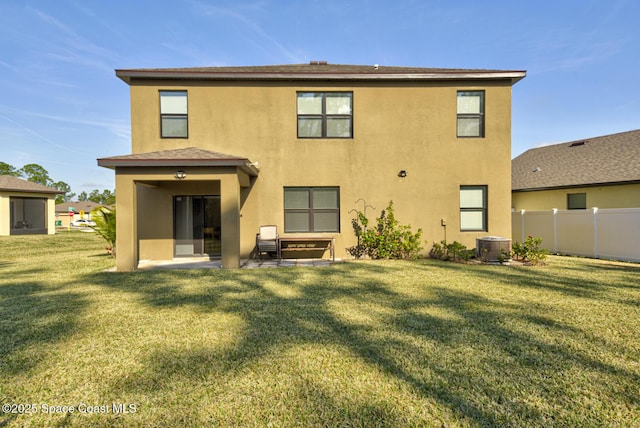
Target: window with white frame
x=470 y=114
x=311 y=209
x=325 y=114
x=473 y=208
x=173 y=114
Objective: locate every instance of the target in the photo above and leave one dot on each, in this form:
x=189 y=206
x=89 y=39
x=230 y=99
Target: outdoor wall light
x=402 y=173
x=180 y=175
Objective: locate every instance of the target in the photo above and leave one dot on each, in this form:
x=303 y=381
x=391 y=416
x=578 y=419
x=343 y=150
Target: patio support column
x=5 y=216
x=230 y=208
x=51 y=215
x=126 y=227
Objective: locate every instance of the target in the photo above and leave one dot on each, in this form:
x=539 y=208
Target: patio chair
x=267 y=241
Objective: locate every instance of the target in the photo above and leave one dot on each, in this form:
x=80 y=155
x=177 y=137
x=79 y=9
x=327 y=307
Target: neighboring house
x=26 y=208
x=601 y=172
x=218 y=152
x=79 y=209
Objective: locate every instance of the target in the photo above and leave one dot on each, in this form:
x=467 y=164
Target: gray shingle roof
x=86 y=206
x=9 y=183
x=601 y=160
x=190 y=156
x=317 y=71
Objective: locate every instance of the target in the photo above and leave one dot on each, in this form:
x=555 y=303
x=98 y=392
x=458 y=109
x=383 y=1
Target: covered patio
x=183 y=202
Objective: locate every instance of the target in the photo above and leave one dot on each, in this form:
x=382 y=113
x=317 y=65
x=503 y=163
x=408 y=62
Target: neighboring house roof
x=319 y=70
x=191 y=156
x=9 y=183
x=610 y=159
x=86 y=206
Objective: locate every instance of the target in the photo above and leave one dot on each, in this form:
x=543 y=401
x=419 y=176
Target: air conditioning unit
x=493 y=249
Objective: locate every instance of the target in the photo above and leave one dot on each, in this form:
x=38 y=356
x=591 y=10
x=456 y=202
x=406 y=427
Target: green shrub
x=439 y=251
x=454 y=251
x=529 y=251
x=387 y=240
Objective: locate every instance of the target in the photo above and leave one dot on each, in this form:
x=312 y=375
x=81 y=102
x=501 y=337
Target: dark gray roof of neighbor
x=610 y=159
x=9 y=183
x=190 y=156
x=319 y=70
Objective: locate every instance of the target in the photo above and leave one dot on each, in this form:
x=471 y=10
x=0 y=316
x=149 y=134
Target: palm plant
x=105 y=219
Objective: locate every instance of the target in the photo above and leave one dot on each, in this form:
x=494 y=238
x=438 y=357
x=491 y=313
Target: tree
x=63 y=187
x=106 y=197
x=6 y=169
x=36 y=173
x=95 y=196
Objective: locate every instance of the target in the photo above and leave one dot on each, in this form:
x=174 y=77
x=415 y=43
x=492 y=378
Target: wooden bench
x=306 y=243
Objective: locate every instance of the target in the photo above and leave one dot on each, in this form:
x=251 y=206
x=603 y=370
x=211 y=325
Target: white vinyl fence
x=600 y=233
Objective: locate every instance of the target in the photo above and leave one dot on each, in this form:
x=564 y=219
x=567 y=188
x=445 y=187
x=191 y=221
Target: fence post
x=522 y=228
x=555 y=231
x=595 y=231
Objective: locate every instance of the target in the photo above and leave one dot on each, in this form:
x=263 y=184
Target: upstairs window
x=311 y=209
x=173 y=114
x=470 y=114
x=473 y=208
x=325 y=114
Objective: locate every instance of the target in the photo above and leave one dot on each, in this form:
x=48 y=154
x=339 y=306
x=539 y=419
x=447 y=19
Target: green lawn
x=422 y=343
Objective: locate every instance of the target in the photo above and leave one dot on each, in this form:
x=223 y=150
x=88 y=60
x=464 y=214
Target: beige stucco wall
x=51 y=215
x=5 y=215
x=617 y=196
x=397 y=127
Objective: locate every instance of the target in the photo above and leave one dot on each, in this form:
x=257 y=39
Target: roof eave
x=578 y=185
x=244 y=164
x=128 y=75
x=44 y=192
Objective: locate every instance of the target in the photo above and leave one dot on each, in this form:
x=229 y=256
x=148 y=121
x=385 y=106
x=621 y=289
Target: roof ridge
x=598 y=139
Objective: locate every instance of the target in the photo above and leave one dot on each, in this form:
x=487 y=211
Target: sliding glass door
x=197 y=226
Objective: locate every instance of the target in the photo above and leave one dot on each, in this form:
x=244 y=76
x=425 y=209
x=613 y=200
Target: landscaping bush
x=454 y=251
x=529 y=251
x=388 y=240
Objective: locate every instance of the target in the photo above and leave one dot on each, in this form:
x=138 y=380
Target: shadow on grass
x=480 y=359
x=33 y=315
x=574 y=281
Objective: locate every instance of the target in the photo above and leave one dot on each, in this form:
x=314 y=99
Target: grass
x=422 y=343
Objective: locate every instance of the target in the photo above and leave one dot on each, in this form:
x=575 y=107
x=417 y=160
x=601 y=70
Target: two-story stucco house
x=218 y=152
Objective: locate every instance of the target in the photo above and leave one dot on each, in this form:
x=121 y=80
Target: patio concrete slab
x=200 y=263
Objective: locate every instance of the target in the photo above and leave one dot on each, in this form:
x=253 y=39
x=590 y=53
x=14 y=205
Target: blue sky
x=62 y=107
